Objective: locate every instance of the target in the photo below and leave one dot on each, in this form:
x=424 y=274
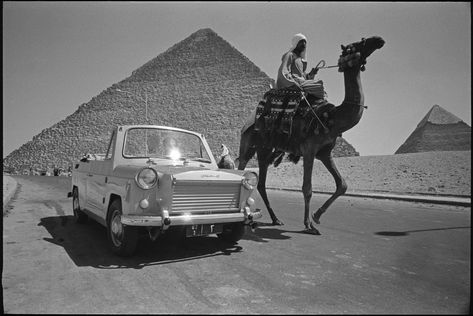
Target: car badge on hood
x=210 y=176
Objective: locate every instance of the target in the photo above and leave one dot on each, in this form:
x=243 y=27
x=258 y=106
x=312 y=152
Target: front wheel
x=79 y=216
x=232 y=233
x=122 y=239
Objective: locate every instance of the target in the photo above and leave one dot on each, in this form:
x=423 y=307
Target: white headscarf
x=295 y=39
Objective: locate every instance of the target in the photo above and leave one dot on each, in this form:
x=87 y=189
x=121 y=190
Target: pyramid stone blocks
x=439 y=130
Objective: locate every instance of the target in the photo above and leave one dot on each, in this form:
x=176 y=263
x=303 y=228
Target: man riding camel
x=292 y=74
x=292 y=70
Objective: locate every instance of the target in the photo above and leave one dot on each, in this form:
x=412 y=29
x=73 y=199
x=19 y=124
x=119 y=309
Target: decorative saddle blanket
x=281 y=109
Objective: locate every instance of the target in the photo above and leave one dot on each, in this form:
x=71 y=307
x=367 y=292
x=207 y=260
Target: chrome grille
x=195 y=197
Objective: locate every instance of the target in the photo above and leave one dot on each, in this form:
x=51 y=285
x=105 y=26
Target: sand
x=436 y=173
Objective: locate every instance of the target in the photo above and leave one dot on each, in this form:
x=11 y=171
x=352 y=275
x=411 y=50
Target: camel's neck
x=349 y=113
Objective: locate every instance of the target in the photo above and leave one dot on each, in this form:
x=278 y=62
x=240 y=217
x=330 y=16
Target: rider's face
x=301 y=45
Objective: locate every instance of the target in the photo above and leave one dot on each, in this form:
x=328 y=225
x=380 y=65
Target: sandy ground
x=438 y=173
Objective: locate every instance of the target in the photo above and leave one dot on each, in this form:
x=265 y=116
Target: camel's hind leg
x=327 y=160
x=263 y=163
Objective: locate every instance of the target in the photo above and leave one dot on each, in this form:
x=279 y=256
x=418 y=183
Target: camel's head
x=365 y=47
x=357 y=52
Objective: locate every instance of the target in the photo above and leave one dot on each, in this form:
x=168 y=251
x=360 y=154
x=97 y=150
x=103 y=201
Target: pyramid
x=202 y=84
x=439 y=130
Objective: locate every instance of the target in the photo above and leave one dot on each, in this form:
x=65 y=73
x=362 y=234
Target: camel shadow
x=269 y=231
x=405 y=233
x=87 y=245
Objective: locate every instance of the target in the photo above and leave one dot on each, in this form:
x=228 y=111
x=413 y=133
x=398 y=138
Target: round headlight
x=146 y=178
x=250 y=180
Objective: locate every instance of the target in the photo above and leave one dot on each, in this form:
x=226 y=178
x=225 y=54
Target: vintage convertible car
x=152 y=178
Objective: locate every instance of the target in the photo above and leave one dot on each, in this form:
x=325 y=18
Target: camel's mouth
x=380 y=42
x=376 y=42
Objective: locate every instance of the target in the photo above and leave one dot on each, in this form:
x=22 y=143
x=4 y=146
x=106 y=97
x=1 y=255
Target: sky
x=59 y=55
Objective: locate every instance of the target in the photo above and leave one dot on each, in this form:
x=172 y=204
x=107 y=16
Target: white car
x=154 y=177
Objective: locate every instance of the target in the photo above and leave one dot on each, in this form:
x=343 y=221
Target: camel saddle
x=279 y=109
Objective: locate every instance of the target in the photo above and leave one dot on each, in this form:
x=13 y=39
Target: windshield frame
x=203 y=146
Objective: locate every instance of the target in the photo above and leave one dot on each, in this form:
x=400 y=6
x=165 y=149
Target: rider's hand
x=312 y=73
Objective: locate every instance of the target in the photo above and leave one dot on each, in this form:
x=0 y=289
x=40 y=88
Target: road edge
x=10 y=186
x=448 y=200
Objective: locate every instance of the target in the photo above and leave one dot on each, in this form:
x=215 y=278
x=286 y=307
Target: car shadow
x=86 y=244
x=405 y=233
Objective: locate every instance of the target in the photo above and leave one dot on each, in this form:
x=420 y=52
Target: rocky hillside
x=201 y=83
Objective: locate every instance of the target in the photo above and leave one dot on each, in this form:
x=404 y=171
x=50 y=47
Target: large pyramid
x=439 y=130
x=201 y=83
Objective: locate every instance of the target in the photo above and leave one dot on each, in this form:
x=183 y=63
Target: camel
x=314 y=144
x=226 y=161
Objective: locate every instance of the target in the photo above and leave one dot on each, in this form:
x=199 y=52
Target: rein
x=345 y=50
x=322 y=63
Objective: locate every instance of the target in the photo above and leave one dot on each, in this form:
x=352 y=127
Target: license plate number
x=203 y=229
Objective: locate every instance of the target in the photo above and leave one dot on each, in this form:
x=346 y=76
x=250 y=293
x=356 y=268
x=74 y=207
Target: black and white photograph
x=236 y=157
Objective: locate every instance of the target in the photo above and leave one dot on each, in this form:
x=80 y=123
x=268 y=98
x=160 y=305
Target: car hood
x=190 y=173
x=201 y=174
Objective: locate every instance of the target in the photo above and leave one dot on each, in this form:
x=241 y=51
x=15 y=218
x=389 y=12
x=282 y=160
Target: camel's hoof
x=311 y=230
x=315 y=219
x=277 y=222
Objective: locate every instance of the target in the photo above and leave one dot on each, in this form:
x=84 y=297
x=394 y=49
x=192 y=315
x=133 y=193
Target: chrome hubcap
x=116 y=228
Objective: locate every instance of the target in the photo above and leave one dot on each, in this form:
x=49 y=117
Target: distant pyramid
x=439 y=130
x=201 y=83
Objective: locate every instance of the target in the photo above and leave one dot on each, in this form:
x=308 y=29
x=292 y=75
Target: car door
x=95 y=180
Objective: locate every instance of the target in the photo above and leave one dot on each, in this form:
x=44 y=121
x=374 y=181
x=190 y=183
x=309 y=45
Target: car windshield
x=164 y=144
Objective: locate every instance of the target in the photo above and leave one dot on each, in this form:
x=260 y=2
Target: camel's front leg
x=263 y=164
x=307 y=192
x=328 y=162
x=246 y=149
x=307 y=188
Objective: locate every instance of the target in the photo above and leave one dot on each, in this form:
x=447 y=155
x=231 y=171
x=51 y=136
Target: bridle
x=345 y=51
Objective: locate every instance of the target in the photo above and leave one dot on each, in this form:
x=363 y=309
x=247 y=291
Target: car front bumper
x=179 y=220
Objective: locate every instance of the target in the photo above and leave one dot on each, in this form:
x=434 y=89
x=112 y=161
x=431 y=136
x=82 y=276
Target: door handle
x=90 y=175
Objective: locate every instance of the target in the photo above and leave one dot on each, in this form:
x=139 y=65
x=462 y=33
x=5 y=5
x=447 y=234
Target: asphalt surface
x=374 y=257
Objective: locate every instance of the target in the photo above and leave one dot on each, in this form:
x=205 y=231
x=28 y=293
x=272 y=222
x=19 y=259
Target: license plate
x=203 y=229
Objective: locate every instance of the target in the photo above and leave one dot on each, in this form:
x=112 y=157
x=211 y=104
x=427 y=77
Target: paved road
x=374 y=256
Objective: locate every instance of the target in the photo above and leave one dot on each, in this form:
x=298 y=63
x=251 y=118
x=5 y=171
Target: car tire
x=122 y=239
x=79 y=216
x=232 y=233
